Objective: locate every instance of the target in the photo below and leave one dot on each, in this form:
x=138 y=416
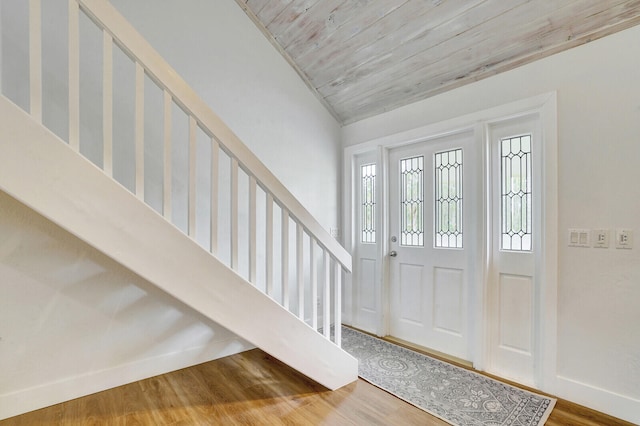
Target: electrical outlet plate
x=624 y=238
x=579 y=238
x=600 y=238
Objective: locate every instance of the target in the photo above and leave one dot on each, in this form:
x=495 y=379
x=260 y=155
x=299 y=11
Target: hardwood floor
x=252 y=388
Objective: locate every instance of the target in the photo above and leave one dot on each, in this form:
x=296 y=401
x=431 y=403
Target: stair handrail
x=119 y=33
x=109 y=19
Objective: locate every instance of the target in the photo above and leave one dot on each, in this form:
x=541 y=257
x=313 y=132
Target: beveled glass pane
x=368 y=200
x=448 y=199
x=516 y=208
x=412 y=201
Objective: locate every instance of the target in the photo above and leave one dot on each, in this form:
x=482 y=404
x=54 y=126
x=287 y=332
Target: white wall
x=216 y=48
x=74 y=322
x=598 y=359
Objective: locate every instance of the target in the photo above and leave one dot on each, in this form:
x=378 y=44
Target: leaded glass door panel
x=433 y=195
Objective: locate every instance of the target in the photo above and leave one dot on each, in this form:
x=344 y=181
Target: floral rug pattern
x=458 y=396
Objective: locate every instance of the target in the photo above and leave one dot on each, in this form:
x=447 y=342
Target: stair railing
x=324 y=259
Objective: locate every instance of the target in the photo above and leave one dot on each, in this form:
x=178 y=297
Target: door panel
x=515 y=310
x=431 y=186
x=410 y=307
x=366 y=288
x=448 y=299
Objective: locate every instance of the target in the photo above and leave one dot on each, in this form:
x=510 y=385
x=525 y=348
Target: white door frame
x=546 y=263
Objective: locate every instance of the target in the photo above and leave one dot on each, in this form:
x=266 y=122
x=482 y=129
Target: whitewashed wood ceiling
x=364 y=57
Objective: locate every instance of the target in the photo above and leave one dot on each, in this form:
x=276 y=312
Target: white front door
x=515 y=227
x=433 y=210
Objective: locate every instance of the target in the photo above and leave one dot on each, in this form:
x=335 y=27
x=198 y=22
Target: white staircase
x=51 y=176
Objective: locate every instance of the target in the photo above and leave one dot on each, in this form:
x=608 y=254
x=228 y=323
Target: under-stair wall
x=326 y=272
x=74 y=322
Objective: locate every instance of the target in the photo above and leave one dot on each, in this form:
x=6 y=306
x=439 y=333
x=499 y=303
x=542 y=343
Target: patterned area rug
x=458 y=396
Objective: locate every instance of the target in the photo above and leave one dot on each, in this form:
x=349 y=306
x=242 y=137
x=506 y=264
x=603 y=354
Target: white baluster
x=139 y=130
x=252 y=230
x=168 y=174
x=191 y=221
x=314 y=284
x=74 y=75
x=337 y=304
x=269 y=245
x=284 y=245
x=234 y=213
x=326 y=304
x=215 y=184
x=35 y=59
x=107 y=102
x=300 y=269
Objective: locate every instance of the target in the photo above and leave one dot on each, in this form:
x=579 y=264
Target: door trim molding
x=545 y=105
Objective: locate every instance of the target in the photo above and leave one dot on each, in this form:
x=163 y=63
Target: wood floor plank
x=253 y=388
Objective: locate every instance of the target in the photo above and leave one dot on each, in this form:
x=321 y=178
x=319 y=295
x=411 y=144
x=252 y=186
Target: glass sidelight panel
x=448 y=199
x=368 y=200
x=515 y=178
x=412 y=201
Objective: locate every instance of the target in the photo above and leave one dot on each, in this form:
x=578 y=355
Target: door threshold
x=430 y=352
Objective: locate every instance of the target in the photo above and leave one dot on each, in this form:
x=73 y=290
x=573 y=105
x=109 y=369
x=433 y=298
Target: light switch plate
x=579 y=238
x=600 y=238
x=624 y=238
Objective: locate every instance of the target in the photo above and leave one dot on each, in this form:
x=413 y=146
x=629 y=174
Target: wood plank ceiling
x=365 y=57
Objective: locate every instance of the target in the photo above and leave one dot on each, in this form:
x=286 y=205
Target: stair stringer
x=44 y=173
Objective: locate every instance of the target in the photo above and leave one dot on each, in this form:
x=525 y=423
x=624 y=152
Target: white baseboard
x=25 y=400
x=620 y=406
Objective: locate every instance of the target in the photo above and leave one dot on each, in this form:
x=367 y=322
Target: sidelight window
x=516 y=209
